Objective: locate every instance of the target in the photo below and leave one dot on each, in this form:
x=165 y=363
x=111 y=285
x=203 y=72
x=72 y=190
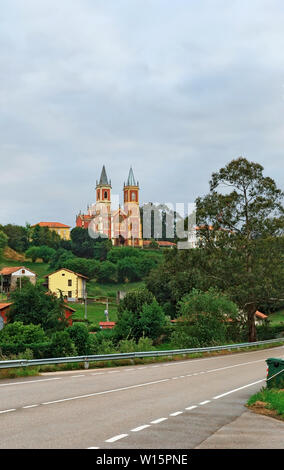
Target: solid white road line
x=237 y=389
x=104 y=392
x=116 y=438
x=30 y=382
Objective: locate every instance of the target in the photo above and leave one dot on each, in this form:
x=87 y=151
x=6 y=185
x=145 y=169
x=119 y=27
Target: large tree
x=242 y=221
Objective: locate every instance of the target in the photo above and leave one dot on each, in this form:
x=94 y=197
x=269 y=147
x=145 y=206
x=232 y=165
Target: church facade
x=122 y=225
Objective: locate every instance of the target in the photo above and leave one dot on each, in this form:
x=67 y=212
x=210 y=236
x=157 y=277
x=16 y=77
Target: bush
x=152 y=320
x=266 y=331
x=79 y=335
x=205 y=317
x=181 y=339
x=144 y=344
x=18 y=333
x=31 y=305
x=103 y=342
x=62 y=345
x=127 y=346
x=107 y=272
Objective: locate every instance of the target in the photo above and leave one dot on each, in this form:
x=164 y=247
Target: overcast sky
x=176 y=89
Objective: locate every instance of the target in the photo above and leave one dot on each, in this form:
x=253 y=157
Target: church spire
x=103 y=178
x=131 y=180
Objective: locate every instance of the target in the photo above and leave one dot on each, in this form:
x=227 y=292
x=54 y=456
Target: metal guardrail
x=132 y=355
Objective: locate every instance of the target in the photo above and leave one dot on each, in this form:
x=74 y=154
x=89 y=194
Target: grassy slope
x=277 y=318
x=270 y=399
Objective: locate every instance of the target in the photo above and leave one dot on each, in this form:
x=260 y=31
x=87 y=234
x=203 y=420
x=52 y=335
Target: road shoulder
x=248 y=431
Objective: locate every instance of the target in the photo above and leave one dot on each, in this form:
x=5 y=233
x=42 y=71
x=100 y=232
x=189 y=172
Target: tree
x=46 y=252
x=18 y=238
x=84 y=246
x=33 y=253
x=3 y=241
x=176 y=276
x=129 y=314
x=128 y=269
x=207 y=318
x=80 y=336
x=32 y=305
x=242 y=236
x=107 y=272
x=152 y=320
x=44 y=236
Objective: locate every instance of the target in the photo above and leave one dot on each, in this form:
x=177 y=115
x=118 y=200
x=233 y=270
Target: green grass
x=276 y=318
x=41 y=269
x=95 y=312
x=273 y=399
x=95 y=289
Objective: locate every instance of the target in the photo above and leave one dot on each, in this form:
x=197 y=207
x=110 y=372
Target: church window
x=133 y=196
x=105 y=195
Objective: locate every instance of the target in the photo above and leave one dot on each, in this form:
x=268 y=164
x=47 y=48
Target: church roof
x=131 y=180
x=103 y=178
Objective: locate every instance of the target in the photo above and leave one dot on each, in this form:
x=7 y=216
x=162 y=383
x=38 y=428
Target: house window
x=70 y=293
x=23 y=271
x=69 y=282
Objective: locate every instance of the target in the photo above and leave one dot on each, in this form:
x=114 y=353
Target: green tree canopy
x=244 y=247
x=32 y=305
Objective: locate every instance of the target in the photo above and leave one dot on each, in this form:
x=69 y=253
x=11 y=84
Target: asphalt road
x=174 y=405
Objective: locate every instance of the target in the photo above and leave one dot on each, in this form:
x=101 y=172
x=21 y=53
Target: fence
x=133 y=355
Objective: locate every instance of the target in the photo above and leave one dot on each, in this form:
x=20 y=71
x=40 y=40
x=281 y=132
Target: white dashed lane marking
x=140 y=428
x=159 y=420
x=116 y=438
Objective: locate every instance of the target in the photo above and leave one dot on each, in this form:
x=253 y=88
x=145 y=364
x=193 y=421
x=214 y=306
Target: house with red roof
x=12 y=276
x=61 y=229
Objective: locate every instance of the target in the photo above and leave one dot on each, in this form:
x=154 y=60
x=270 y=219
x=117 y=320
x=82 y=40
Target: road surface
x=170 y=405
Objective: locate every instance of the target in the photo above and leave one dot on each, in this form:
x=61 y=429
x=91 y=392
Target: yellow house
x=61 y=229
x=72 y=285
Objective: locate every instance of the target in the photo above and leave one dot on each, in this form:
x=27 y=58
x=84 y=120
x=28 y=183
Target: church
x=122 y=225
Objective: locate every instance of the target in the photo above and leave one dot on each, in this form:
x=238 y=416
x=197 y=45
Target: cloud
x=175 y=89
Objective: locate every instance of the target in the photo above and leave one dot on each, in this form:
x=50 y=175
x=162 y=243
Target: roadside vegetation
x=269 y=402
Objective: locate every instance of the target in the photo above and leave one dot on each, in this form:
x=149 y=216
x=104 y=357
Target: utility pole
x=106 y=311
x=86 y=316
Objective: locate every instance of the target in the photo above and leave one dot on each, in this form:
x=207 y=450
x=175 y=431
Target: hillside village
x=95 y=273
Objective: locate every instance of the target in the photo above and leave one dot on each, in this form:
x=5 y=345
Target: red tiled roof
x=69 y=270
x=3 y=306
x=160 y=243
x=51 y=225
x=7 y=270
x=10 y=270
x=260 y=315
x=107 y=324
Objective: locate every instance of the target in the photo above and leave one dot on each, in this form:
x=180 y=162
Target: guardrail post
x=86 y=365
